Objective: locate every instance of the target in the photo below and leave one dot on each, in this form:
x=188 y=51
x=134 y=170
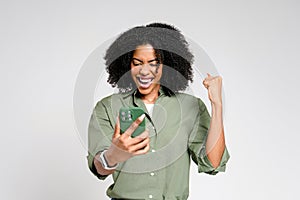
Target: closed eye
x=136 y=64
x=153 y=63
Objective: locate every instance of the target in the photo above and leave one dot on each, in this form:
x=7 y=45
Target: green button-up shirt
x=178 y=131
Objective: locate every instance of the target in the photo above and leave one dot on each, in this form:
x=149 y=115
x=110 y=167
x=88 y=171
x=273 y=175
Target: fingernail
x=142 y=117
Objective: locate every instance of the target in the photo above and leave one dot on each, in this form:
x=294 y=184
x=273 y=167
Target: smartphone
x=127 y=116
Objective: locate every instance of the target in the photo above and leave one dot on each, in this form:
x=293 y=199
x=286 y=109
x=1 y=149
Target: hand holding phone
x=124 y=146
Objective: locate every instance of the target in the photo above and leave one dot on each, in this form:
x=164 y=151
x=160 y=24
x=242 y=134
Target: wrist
x=109 y=158
x=217 y=109
x=104 y=162
x=217 y=103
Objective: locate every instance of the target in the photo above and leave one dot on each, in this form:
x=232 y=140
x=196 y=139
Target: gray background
x=254 y=45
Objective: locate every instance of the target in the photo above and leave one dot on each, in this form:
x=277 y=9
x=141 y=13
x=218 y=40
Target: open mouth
x=144 y=82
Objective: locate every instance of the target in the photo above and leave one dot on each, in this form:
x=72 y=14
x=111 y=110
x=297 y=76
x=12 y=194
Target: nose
x=145 y=69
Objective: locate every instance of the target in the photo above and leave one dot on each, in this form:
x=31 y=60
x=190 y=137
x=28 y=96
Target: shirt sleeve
x=100 y=132
x=197 y=141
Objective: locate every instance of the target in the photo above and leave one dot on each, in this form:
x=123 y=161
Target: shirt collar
x=136 y=96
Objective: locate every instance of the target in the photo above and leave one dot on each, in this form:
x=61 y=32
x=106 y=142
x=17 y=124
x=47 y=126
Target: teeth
x=145 y=80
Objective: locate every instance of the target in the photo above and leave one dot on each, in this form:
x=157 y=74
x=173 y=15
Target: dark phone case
x=127 y=116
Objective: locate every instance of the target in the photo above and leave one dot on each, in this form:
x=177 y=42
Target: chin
x=144 y=91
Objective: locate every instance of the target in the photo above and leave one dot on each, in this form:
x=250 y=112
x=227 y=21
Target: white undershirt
x=149 y=107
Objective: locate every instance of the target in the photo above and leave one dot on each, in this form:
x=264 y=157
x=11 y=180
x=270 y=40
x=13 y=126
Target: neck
x=151 y=98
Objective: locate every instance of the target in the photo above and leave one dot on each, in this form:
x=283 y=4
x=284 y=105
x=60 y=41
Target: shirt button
x=153 y=150
x=150 y=196
x=151 y=174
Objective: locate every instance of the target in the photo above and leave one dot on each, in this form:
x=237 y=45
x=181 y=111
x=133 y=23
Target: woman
x=150 y=65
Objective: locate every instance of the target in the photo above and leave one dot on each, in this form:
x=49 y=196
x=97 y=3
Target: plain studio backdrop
x=44 y=44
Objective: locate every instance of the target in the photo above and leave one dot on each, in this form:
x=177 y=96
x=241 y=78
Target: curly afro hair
x=170 y=47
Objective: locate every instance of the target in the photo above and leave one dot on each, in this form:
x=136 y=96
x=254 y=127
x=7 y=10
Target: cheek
x=134 y=72
x=159 y=71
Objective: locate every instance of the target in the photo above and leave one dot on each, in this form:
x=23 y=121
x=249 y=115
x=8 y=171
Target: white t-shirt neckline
x=149 y=107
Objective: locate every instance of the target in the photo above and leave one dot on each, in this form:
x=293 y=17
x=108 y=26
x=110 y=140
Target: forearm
x=215 y=144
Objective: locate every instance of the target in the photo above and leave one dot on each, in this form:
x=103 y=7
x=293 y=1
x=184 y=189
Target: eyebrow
x=155 y=59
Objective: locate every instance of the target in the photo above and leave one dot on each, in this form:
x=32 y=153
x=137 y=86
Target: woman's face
x=146 y=70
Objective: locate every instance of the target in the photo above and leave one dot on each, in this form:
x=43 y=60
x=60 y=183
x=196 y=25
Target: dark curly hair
x=170 y=47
